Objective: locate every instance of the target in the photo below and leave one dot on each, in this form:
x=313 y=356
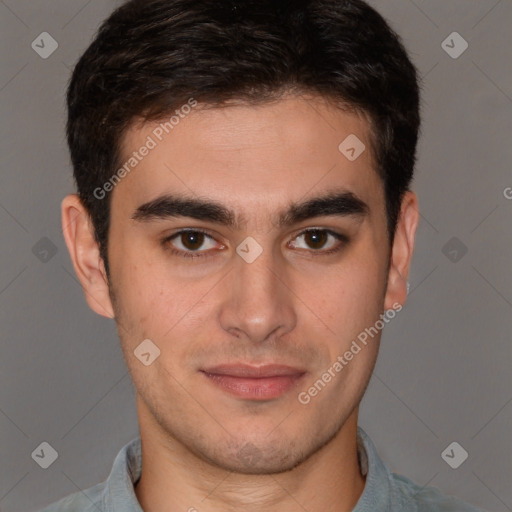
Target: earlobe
x=84 y=252
x=402 y=251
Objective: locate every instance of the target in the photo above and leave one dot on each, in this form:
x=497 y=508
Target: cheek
x=154 y=303
x=141 y=297
x=352 y=296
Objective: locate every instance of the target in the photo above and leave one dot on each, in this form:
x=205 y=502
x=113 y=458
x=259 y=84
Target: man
x=244 y=214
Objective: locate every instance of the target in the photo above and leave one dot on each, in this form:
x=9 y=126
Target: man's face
x=218 y=317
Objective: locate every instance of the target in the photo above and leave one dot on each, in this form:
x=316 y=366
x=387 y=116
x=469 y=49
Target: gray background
x=443 y=373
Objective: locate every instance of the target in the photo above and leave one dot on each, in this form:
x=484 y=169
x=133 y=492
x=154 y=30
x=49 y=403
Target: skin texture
x=203 y=447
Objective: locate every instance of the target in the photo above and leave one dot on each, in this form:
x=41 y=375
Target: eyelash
x=191 y=254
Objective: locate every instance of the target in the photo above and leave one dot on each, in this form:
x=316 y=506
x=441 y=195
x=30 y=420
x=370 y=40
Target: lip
x=263 y=382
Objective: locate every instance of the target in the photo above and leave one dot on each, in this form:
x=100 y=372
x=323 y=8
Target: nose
x=259 y=301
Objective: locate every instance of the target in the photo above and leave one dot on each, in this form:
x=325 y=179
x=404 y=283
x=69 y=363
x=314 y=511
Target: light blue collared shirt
x=384 y=491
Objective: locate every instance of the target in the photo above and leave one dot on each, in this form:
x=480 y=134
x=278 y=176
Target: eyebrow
x=341 y=204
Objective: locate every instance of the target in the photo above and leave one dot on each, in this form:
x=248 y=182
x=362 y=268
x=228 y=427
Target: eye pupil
x=316 y=238
x=192 y=240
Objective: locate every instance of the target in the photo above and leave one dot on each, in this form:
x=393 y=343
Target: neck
x=174 y=479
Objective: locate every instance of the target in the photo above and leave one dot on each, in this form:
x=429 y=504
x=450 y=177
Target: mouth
x=254 y=382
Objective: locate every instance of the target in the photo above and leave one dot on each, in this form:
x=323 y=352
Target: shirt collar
x=126 y=471
x=119 y=492
x=377 y=489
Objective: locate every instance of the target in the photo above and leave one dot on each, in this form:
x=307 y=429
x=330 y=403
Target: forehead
x=251 y=155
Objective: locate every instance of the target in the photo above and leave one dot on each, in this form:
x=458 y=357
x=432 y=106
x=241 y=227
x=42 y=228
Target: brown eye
x=192 y=240
x=316 y=239
x=322 y=241
x=191 y=243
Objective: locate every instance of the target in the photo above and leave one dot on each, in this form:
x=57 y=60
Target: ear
x=401 y=252
x=78 y=233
